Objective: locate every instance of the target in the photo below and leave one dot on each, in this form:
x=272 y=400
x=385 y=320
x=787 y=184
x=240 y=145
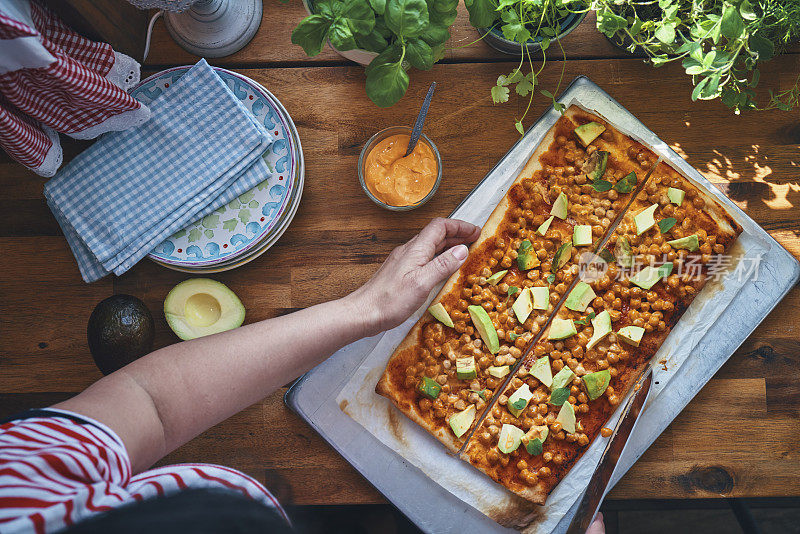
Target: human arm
x=164 y=399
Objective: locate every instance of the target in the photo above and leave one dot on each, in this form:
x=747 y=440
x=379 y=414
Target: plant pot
x=623 y=42
x=362 y=57
x=494 y=37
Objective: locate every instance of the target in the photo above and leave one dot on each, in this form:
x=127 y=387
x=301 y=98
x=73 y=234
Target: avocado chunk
x=562 y=256
x=566 y=416
x=466 y=369
x=545 y=226
x=120 y=330
x=498 y=371
x=602 y=327
x=200 y=307
x=648 y=277
x=526 y=256
x=519 y=400
x=439 y=312
x=462 y=421
x=539 y=432
x=596 y=383
x=595 y=166
x=428 y=387
x=560 y=206
x=534 y=439
x=589 y=132
x=561 y=329
x=541 y=297
x=676 y=195
x=623 y=252
x=632 y=335
x=690 y=243
x=510 y=438
x=496 y=277
x=542 y=372
x=580 y=297
x=645 y=219
x=483 y=324
x=582 y=235
x=523 y=306
x=562 y=378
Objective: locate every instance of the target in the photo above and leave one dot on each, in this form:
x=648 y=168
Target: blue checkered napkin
x=132 y=189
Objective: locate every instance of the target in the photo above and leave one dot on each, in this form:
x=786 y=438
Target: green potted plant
x=720 y=43
x=388 y=36
x=525 y=28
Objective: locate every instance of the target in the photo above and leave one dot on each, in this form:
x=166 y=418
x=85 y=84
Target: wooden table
x=739 y=437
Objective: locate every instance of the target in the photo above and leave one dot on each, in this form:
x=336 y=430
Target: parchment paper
x=379 y=417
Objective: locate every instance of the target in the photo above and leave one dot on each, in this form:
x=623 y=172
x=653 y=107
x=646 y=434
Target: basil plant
x=402 y=32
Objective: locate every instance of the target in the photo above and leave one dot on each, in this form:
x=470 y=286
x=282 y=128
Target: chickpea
x=529 y=477
x=544 y=471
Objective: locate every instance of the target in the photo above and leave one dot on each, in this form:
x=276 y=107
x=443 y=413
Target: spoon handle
x=412 y=143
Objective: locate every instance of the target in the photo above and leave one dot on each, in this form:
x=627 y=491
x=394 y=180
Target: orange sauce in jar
x=396 y=179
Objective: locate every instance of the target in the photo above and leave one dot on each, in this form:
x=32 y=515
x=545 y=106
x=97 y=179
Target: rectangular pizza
x=575 y=282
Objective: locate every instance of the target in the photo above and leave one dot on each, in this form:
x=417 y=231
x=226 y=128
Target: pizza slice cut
x=609 y=328
x=518 y=269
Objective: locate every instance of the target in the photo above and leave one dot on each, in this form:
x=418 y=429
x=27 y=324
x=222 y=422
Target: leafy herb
x=402 y=32
x=512 y=290
x=513 y=336
x=523 y=21
x=719 y=43
x=586 y=320
x=551 y=278
x=559 y=396
x=482 y=394
x=626 y=184
x=601 y=185
x=666 y=224
x=519 y=404
x=534 y=447
x=607 y=255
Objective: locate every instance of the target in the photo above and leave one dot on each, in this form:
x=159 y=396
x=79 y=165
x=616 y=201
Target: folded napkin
x=131 y=190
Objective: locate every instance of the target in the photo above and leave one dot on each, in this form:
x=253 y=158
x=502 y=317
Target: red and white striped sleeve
x=57 y=468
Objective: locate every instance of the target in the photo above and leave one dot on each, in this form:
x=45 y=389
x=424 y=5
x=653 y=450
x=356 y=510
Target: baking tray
x=434 y=509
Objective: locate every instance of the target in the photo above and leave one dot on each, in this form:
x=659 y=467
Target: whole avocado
x=120 y=330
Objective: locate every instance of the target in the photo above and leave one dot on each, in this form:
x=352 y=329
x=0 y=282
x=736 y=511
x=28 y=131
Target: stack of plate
x=245 y=228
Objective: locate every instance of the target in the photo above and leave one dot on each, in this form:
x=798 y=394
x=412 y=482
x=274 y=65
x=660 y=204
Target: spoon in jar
x=415 y=133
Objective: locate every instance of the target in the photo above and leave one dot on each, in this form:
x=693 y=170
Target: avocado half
x=120 y=330
x=200 y=307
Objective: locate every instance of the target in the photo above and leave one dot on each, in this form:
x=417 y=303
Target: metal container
x=494 y=37
x=436 y=508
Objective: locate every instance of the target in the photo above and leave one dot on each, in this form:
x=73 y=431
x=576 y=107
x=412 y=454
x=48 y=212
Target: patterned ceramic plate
x=284 y=220
x=243 y=224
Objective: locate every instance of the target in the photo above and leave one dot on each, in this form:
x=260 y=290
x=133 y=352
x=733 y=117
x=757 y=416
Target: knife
x=590 y=502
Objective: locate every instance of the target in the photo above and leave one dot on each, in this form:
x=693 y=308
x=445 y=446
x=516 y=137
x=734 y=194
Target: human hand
x=411 y=271
x=597 y=526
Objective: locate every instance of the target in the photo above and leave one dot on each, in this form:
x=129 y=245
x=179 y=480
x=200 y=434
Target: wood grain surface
x=739 y=437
